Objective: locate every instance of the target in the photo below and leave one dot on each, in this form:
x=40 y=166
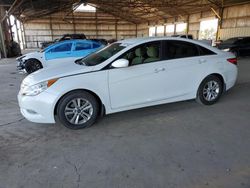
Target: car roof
x=239 y=38
x=76 y=40
x=71 y=40
x=148 y=39
x=151 y=39
x=137 y=41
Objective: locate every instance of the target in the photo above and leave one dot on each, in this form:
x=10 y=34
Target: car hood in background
x=30 y=55
x=56 y=72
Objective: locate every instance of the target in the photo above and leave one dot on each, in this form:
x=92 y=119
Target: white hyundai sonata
x=126 y=75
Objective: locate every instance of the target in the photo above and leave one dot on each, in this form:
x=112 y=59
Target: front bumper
x=38 y=109
x=20 y=65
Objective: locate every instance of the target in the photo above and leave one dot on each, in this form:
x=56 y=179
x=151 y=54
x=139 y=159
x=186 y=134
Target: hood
x=31 y=55
x=56 y=72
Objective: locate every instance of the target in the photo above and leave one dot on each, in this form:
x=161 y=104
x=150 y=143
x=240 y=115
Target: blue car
x=59 y=53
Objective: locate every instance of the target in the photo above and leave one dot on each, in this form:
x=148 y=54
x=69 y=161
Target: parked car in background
x=13 y=49
x=239 y=46
x=66 y=51
x=184 y=36
x=188 y=36
x=64 y=37
x=125 y=75
x=102 y=41
x=111 y=41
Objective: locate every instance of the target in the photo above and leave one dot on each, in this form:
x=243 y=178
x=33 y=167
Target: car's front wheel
x=210 y=90
x=78 y=109
x=32 y=65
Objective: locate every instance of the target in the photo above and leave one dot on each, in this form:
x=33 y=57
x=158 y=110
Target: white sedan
x=126 y=75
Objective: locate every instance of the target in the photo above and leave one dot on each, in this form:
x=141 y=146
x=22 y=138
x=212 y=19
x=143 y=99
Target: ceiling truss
x=134 y=11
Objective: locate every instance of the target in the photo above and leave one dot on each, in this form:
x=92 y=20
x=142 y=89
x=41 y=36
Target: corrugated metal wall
x=93 y=25
x=236 y=22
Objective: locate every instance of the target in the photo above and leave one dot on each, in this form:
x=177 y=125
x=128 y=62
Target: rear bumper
x=231 y=77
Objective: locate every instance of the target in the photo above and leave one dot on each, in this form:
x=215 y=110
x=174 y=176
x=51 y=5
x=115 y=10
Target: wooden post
x=148 y=28
x=17 y=33
x=175 y=25
x=116 y=34
x=51 y=28
x=96 y=25
x=2 y=41
x=136 y=31
x=10 y=28
x=165 y=29
x=220 y=22
x=187 y=30
x=73 y=22
x=22 y=34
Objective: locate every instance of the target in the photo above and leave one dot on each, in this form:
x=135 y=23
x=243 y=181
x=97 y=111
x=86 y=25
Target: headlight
x=20 y=58
x=37 y=88
x=226 y=50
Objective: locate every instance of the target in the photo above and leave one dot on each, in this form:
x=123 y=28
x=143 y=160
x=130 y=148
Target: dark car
x=184 y=36
x=240 y=46
x=101 y=41
x=64 y=37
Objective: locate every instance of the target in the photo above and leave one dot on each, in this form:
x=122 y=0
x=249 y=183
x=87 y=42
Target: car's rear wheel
x=78 y=110
x=210 y=90
x=32 y=65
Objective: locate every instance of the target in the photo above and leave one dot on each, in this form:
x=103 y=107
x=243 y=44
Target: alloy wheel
x=78 y=111
x=211 y=90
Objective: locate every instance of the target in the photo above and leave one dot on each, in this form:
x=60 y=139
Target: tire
x=32 y=65
x=71 y=113
x=210 y=90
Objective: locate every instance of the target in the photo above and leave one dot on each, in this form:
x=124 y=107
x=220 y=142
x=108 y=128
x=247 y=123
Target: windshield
x=102 y=55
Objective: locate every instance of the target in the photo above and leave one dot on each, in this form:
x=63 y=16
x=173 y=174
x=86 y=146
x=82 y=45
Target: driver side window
x=62 y=48
x=145 y=53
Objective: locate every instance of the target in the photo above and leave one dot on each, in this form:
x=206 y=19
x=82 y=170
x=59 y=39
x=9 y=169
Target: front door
x=59 y=51
x=141 y=82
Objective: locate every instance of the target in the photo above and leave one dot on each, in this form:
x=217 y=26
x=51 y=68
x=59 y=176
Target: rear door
x=185 y=63
x=82 y=48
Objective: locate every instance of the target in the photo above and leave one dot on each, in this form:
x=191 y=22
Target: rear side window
x=246 y=41
x=180 y=49
x=239 y=41
x=205 y=51
x=82 y=46
x=62 y=48
x=95 y=45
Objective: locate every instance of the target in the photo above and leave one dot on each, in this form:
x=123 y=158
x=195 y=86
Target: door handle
x=159 y=70
x=202 y=61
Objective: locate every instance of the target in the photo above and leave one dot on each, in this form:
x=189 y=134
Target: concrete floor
x=180 y=145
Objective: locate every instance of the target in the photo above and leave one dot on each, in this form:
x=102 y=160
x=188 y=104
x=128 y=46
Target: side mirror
x=120 y=63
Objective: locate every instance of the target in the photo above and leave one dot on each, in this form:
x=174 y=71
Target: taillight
x=232 y=60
